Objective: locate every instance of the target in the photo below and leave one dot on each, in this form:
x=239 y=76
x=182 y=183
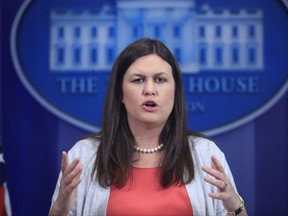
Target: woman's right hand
x=71 y=174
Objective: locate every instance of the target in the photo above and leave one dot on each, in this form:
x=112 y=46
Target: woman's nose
x=149 y=88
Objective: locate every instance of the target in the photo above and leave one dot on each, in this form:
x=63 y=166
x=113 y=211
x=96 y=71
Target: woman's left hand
x=226 y=191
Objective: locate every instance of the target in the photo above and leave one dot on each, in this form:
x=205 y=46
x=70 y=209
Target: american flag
x=5 y=207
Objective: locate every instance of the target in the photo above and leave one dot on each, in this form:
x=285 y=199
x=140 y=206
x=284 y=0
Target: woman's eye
x=160 y=80
x=138 y=80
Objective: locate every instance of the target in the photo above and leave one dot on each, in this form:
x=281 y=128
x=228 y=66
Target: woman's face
x=148 y=91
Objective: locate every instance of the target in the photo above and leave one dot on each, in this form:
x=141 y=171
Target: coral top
x=143 y=195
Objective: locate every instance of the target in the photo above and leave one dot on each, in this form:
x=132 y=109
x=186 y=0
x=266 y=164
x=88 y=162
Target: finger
x=220 y=196
x=70 y=167
x=220 y=184
x=64 y=161
x=74 y=174
x=213 y=172
x=76 y=181
x=216 y=164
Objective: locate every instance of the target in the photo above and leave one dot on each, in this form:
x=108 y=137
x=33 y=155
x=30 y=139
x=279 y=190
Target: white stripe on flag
x=7 y=200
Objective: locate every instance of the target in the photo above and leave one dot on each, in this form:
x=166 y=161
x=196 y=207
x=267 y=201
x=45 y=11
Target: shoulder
x=84 y=149
x=202 y=144
x=204 y=148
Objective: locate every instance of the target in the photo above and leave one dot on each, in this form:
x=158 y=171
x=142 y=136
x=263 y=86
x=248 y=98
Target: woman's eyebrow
x=154 y=75
x=160 y=73
x=137 y=74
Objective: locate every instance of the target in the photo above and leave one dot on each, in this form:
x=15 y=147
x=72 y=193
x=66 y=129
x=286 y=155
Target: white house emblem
x=232 y=57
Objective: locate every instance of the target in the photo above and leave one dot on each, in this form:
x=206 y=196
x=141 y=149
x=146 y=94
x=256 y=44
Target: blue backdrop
x=33 y=139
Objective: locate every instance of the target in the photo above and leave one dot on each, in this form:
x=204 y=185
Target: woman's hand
x=70 y=180
x=226 y=191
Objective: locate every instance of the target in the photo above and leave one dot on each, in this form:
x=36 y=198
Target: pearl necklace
x=148 y=150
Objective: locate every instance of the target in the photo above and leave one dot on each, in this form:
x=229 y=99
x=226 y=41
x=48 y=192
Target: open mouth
x=150 y=104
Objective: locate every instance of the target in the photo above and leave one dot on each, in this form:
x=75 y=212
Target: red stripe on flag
x=2 y=203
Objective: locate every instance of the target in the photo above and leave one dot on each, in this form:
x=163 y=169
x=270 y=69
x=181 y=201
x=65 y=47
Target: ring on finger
x=225 y=186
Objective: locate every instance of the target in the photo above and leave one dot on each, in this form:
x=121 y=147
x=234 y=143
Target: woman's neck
x=146 y=136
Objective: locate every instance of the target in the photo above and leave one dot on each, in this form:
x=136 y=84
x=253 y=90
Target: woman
x=145 y=161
